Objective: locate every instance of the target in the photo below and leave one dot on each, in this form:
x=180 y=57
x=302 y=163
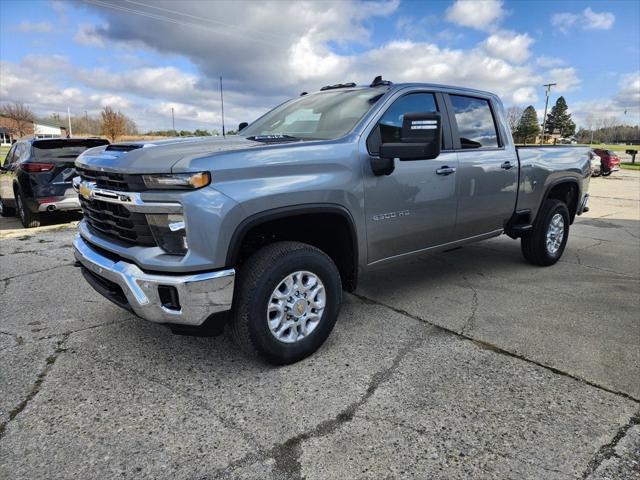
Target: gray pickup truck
x=263 y=230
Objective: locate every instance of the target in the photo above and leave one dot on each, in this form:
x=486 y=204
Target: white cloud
x=508 y=45
x=87 y=35
x=623 y=107
x=587 y=20
x=34 y=27
x=566 y=78
x=598 y=21
x=478 y=14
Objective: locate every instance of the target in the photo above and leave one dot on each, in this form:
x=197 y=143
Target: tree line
x=526 y=129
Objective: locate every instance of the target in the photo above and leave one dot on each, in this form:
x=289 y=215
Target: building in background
x=40 y=128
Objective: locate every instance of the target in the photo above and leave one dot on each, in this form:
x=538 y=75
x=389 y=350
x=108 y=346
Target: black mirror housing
x=242 y=125
x=420 y=139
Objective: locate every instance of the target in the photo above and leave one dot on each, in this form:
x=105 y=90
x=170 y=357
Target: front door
x=7 y=174
x=487 y=176
x=414 y=207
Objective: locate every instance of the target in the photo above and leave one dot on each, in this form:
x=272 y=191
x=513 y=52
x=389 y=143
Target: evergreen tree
x=528 y=128
x=560 y=119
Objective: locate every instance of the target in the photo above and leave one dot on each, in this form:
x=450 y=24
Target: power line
x=201 y=19
x=175 y=21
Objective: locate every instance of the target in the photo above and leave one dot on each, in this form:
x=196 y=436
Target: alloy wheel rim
x=555 y=234
x=296 y=306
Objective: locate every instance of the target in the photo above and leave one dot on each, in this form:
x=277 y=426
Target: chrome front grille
x=120 y=182
x=115 y=221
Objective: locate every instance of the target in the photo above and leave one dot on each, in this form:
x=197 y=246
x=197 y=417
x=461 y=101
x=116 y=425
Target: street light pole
x=222 y=105
x=546 y=103
x=86 y=122
x=173 y=121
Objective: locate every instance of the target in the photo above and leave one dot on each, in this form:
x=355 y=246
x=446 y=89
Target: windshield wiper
x=277 y=137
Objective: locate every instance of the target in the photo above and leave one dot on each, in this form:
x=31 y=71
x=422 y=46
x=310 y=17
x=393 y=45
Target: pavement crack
x=51 y=360
x=608 y=450
x=287 y=454
x=8 y=279
x=474 y=307
x=494 y=348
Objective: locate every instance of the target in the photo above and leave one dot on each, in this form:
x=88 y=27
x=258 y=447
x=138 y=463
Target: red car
x=610 y=161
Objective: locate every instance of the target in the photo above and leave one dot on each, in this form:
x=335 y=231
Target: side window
x=22 y=152
x=9 y=159
x=476 y=126
x=389 y=127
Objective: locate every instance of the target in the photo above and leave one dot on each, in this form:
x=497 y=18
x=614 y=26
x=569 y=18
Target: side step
x=518 y=230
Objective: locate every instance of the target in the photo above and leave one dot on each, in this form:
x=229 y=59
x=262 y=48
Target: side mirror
x=242 y=125
x=421 y=138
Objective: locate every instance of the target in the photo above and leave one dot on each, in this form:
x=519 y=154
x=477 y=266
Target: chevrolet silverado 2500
x=272 y=224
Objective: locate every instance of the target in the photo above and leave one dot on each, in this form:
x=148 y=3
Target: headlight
x=177 y=181
x=169 y=232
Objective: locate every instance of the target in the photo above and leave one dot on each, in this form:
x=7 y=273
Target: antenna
x=222 y=105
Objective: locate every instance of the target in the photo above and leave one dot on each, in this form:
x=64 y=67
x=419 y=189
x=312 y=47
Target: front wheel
x=545 y=244
x=286 y=302
x=607 y=173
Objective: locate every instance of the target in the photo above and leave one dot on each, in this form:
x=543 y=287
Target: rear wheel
x=27 y=217
x=606 y=174
x=286 y=303
x=545 y=244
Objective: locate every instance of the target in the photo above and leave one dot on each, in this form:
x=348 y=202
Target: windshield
x=319 y=116
x=63 y=148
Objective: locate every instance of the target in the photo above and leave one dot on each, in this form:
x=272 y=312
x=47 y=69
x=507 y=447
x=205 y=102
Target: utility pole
x=69 y=119
x=173 y=121
x=546 y=103
x=222 y=105
x=86 y=122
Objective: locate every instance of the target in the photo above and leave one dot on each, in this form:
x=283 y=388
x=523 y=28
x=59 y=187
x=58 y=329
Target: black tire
x=27 y=217
x=607 y=173
x=534 y=244
x=596 y=173
x=257 y=279
x=6 y=211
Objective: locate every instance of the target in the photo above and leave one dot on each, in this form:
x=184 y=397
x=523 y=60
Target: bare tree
x=513 y=117
x=113 y=123
x=21 y=115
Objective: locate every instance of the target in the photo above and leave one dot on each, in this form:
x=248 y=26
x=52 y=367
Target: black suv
x=36 y=177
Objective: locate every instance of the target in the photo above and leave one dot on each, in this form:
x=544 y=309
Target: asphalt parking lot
x=470 y=364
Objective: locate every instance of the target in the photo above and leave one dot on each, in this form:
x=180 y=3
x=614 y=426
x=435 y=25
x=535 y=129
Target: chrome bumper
x=199 y=294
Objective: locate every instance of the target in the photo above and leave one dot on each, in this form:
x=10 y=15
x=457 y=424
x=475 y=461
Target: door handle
x=445 y=170
x=506 y=166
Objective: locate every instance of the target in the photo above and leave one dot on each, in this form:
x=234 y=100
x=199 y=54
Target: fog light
x=169 y=232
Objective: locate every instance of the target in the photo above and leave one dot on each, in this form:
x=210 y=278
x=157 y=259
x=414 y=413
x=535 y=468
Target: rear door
x=487 y=176
x=414 y=207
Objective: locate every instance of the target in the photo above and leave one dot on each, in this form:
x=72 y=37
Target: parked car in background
x=596 y=164
x=36 y=175
x=610 y=161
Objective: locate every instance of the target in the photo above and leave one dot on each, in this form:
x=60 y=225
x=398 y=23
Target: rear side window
x=476 y=126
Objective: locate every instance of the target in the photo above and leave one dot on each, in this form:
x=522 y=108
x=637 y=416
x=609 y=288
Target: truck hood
x=158 y=156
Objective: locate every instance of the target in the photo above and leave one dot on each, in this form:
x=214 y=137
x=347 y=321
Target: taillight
x=35 y=167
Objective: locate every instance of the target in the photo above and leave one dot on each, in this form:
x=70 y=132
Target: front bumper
x=199 y=295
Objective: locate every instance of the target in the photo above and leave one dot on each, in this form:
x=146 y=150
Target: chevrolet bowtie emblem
x=85 y=191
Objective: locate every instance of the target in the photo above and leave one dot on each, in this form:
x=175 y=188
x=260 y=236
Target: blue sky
x=144 y=57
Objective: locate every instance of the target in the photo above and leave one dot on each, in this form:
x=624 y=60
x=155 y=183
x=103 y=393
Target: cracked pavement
x=468 y=364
